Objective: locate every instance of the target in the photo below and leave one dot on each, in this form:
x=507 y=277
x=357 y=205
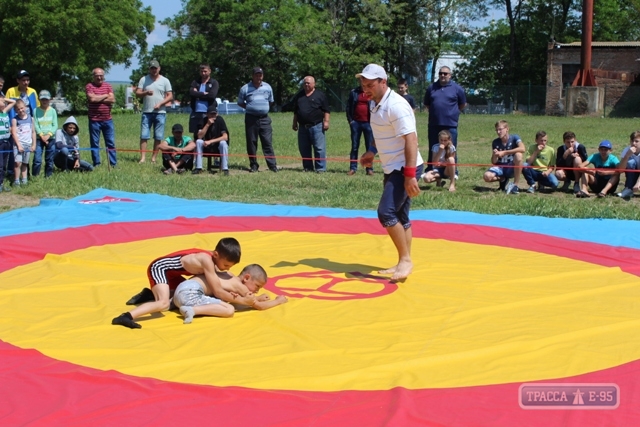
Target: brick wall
x=619 y=61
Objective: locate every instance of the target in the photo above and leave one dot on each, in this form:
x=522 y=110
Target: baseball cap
x=154 y=64
x=212 y=109
x=258 y=70
x=372 y=72
x=23 y=73
x=606 y=144
x=45 y=94
x=177 y=128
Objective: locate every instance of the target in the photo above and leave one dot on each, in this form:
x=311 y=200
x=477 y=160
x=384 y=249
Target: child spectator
x=604 y=178
x=541 y=159
x=506 y=155
x=631 y=161
x=569 y=157
x=444 y=154
x=24 y=137
x=67 y=155
x=6 y=104
x=403 y=90
x=46 y=121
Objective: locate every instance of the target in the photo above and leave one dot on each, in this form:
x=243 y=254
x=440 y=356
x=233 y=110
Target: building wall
x=621 y=63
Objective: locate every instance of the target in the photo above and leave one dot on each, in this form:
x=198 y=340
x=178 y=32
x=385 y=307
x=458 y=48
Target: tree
x=63 y=40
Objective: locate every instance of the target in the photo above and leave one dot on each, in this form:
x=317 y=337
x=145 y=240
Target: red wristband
x=409 y=172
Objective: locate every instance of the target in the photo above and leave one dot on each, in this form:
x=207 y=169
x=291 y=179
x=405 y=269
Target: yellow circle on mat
x=468 y=315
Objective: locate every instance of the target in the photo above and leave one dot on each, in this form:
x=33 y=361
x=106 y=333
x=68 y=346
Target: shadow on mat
x=336 y=267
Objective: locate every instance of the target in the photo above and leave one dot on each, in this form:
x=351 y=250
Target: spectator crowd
x=29 y=135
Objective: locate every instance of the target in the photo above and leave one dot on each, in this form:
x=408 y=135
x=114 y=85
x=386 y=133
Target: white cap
x=372 y=72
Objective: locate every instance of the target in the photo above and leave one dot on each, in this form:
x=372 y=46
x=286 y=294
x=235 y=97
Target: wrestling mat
x=494 y=302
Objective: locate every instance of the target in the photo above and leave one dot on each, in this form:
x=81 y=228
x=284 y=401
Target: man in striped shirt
x=100 y=99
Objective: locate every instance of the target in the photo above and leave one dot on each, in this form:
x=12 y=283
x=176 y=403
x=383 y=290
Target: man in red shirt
x=358 y=118
x=100 y=99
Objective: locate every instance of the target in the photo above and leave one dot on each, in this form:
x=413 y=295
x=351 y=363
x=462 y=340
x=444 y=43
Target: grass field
x=335 y=189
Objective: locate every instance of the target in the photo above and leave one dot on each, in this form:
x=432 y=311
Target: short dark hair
x=540 y=134
x=256 y=271
x=205 y=66
x=229 y=249
x=568 y=135
x=402 y=82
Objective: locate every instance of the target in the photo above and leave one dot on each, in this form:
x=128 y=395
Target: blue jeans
x=532 y=176
x=223 y=149
x=108 y=131
x=309 y=138
x=65 y=161
x=157 y=121
x=632 y=177
x=433 y=132
x=49 y=150
x=357 y=129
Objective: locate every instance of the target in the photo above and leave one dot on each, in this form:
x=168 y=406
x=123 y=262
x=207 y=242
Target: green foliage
x=514 y=50
x=63 y=40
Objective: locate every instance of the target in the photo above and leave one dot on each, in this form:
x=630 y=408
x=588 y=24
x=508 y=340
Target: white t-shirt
x=390 y=121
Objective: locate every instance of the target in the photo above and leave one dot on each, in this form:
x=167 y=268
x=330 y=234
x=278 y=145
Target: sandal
x=168 y=171
x=582 y=195
x=601 y=195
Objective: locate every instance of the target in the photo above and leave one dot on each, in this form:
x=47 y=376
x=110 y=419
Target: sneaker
x=456 y=177
x=576 y=188
x=24 y=182
x=274 y=169
x=196 y=171
x=531 y=189
x=369 y=172
x=503 y=184
x=225 y=172
x=423 y=177
x=627 y=193
x=566 y=185
x=512 y=189
x=351 y=172
x=16 y=183
x=253 y=169
x=125 y=320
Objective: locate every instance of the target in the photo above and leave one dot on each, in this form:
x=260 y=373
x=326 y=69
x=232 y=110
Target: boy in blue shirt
x=603 y=179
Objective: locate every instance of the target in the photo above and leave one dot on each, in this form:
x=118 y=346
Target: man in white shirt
x=396 y=141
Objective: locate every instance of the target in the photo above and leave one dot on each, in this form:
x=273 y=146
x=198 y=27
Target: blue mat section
x=93 y=208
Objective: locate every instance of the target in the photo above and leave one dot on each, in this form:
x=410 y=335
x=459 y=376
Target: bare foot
x=452 y=188
x=403 y=270
x=389 y=270
x=153 y=160
x=142 y=160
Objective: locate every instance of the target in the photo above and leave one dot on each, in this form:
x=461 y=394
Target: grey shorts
x=189 y=293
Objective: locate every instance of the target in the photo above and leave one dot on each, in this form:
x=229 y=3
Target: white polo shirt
x=390 y=120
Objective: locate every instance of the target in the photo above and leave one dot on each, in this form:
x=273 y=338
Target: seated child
x=631 y=163
x=444 y=154
x=192 y=299
x=67 y=155
x=569 y=157
x=6 y=104
x=166 y=273
x=173 y=147
x=23 y=131
x=542 y=158
x=604 y=178
x=507 y=151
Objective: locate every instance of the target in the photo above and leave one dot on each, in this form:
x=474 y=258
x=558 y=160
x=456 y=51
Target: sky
x=161 y=9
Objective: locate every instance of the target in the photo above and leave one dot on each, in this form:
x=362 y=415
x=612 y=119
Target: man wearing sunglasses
x=445 y=100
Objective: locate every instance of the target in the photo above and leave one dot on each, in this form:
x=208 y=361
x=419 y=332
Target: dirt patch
x=10 y=201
